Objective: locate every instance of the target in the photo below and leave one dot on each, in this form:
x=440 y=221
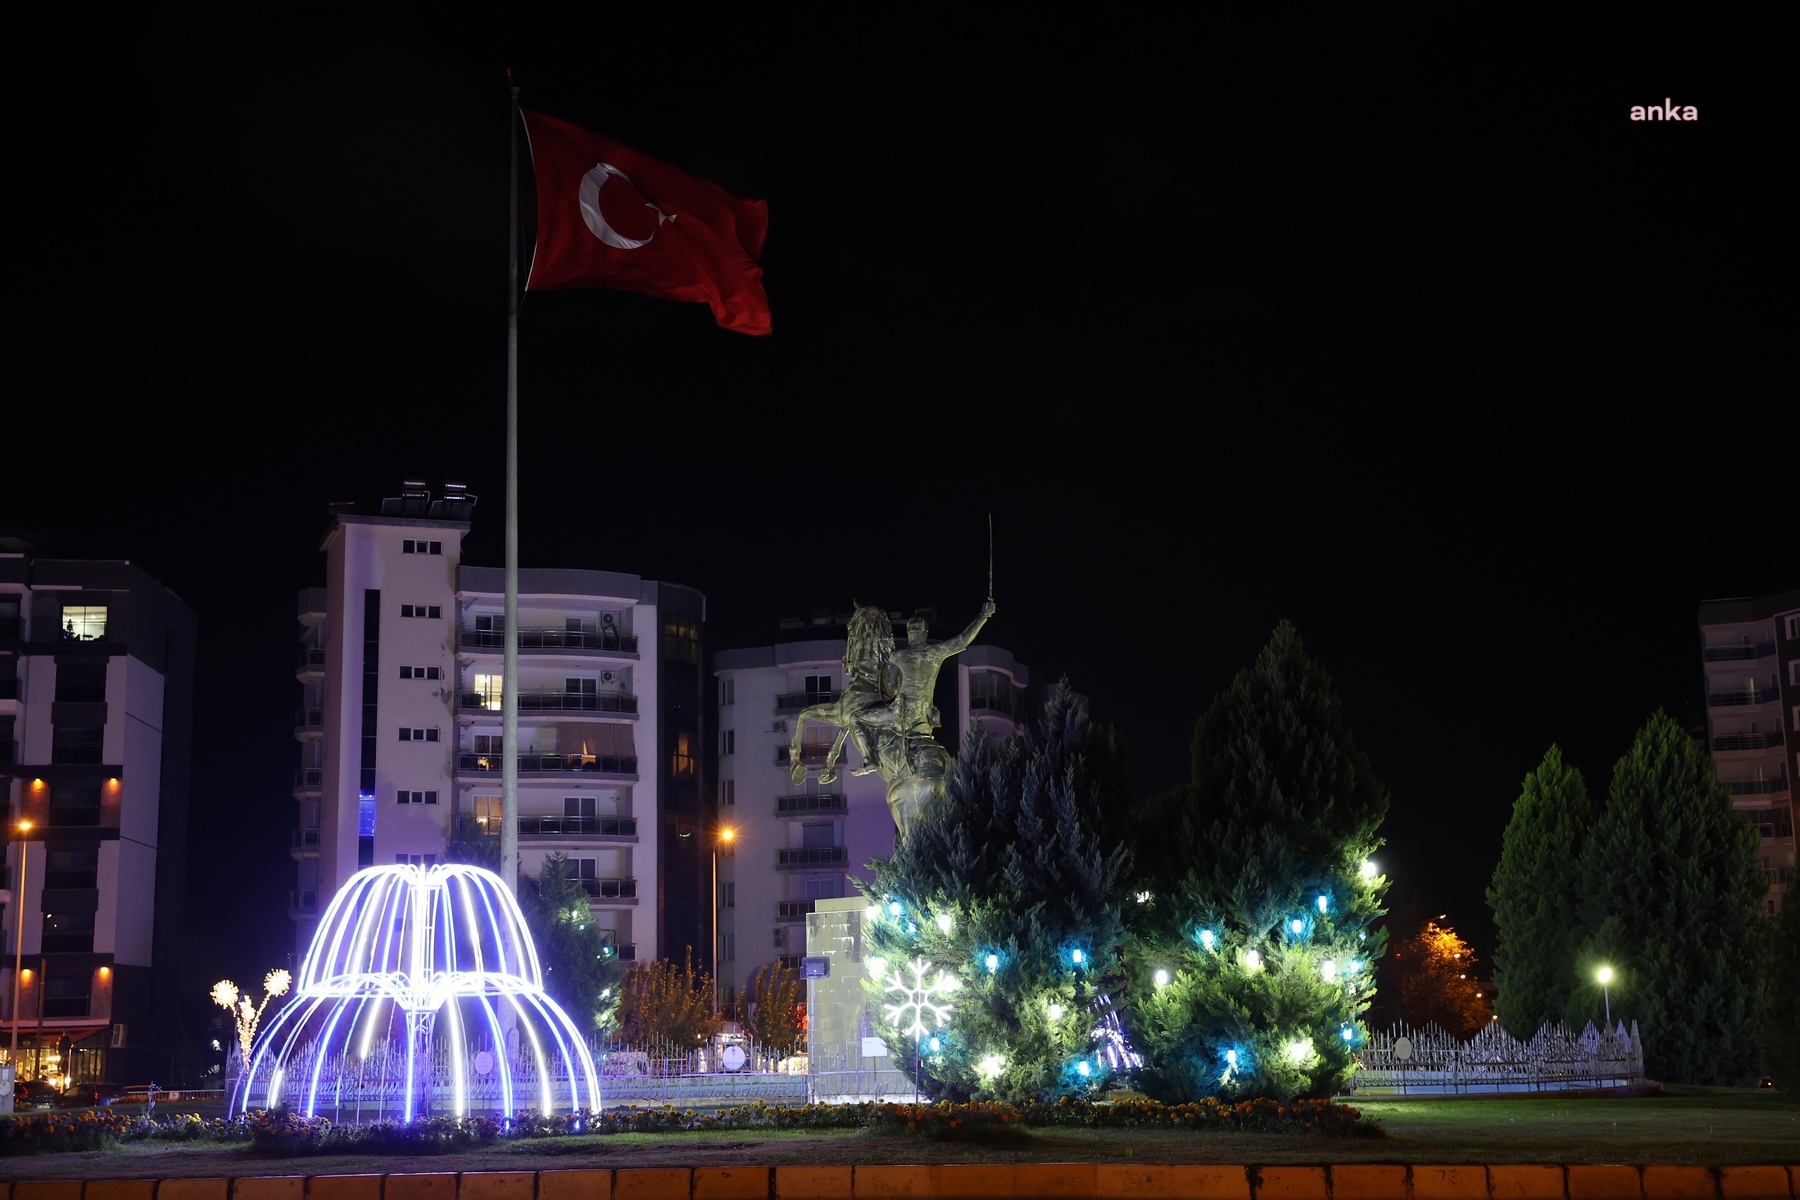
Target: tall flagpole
x=509 y=670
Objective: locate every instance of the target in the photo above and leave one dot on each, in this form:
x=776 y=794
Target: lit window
x=83 y=623
x=681 y=639
x=683 y=764
x=487 y=691
x=486 y=812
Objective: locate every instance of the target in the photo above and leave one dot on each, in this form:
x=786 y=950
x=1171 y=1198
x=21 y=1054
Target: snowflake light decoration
x=918 y=999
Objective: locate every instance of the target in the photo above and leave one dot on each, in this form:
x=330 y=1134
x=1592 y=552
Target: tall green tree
x=1011 y=887
x=1671 y=886
x=1252 y=962
x=582 y=971
x=1536 y=897
x=1780 y=1008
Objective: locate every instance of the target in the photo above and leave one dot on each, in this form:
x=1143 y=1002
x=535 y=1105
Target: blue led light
x=993 y=963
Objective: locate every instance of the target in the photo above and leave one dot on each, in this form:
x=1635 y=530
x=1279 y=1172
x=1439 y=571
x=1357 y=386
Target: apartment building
x=96 y=709
x=1750 y=656
x=796 y=844
x=400 y=721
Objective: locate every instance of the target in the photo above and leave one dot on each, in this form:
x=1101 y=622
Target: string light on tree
x=918 y=999
x=247 y=1015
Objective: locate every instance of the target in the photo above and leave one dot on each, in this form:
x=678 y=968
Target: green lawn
x=1704 y=1126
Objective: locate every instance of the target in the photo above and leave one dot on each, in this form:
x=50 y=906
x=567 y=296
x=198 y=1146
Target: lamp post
x=1604 y=975
x=19 y=945
x=726 y=835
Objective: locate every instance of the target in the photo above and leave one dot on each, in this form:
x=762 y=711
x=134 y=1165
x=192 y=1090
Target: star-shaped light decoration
x=918 y=999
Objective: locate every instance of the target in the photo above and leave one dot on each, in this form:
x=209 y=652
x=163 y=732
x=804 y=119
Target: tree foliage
x=1013 y=865
x=1671 y=888
x=581 y=964
x=1257 y=909
x=1780 y=1007
x=1535 y=895
x=1435 y=973
x=669 y=1003
x=777 y=1010
x=467 y=843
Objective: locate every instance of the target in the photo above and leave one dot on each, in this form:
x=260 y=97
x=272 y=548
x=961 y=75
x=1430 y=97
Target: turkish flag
x=612 y=216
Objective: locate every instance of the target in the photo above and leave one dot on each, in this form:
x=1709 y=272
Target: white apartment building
x=1750 y=653
x=400 y=724
x=96 y=711
x=795 y=844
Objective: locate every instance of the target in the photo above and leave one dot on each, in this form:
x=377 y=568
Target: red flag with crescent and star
x=612 y=216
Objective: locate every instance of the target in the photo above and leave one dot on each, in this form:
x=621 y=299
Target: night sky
x=1403 y=332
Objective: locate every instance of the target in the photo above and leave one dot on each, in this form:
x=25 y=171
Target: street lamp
x=1605 y=975
x=727 y=835
x=19 y=946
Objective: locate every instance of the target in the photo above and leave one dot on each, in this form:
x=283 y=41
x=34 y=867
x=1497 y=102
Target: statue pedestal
x=838 y=1018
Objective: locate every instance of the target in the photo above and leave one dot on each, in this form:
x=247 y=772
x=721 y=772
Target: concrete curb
x=975 y=1181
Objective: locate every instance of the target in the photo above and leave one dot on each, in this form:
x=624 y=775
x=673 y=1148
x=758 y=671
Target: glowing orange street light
x=727 y=835
x=19 y=945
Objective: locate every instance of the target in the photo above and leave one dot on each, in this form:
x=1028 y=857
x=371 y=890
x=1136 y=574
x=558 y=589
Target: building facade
x=96 y=710
x=400 y=722
x=1750 y=655
x=796 y=844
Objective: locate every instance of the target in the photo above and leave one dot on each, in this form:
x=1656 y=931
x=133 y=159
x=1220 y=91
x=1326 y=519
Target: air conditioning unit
x=780 y=727
x=780 y=937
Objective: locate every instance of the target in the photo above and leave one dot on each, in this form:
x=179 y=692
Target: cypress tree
x=1535 y=895
x=1253 y=958
x=582 y=971
x=1780 y=1009
x=1009 y=886
x=1671 y=887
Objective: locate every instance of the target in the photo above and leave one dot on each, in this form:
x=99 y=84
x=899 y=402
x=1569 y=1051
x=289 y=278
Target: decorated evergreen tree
x=1252 y=961
x=1535 y=895
x=581 y=964
x=1001 y=911
x=1671 y=887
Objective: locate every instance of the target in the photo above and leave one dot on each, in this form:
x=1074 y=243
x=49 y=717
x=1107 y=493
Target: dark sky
x=1404 y=332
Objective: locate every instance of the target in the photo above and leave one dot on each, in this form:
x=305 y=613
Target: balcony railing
x=551 y=639
x=1757 y=787
x=610 y=889
x=795 y=701
x=601 y=702
x=307 y=719
x=997 y=702
x=793 y=910
x=309 y=778
x=311 y=658
x=812 y=856
x=303 y=902
x=73 y=816
x=305 y=840
x=1748 y=741
x=578 y=826
x=1733 y=699
x=809 y=753
x=604 y=764
x=790 y=805
x=1749 y=650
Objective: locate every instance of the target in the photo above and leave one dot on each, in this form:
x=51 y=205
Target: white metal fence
x=1428 y=1061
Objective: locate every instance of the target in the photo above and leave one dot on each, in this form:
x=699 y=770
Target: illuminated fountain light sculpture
x=411 y=969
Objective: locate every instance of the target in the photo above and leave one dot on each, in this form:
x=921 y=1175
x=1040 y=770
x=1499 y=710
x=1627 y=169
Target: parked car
x=31 y=1094
x=89 y=1095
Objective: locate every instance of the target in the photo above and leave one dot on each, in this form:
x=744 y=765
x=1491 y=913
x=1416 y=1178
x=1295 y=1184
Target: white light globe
x=944 y=922
x=1162 y=978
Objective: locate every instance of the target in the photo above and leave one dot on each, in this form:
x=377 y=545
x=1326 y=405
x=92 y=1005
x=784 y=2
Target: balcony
x=1756 y=787
x=9 y=753
x=9 y=687
x=309 y=606
x=310 y=663
x=11 y=627
x=73 y=816
x=793 y=910
x=812 y=755
x=308 y=779
x=309 y=722
x=1748 y=696
x=627 y=951
x=305 y=844
x=795 y=806
x=553 y=764
x=811 y=856
x=610 y=889
x=795 y=701
x=1745 y=652
x=588 y=827
x=556 y=702
x=303 y=904
x=1747 y=741
x=1000 y=703
x=553 y=641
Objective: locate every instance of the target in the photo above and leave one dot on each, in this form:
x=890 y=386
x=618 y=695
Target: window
x=83 y=622
x=68 y=933
x=416 y=860
x=830 y=888
x=365 y=831
x=682 y=765
x=76 y=744
x=80 y=683
x=818 y=836
x=578 y=806
x=487 y=691
x=75 y=805
x=818 y=685
x=727 y=692
x=486 y=811
x=730 y=743
x=581 y=687
x=415 y=797
x=728 y=895
x=421 y=610
x=1794 y=672
x=728 y=792
x=76 y=869
x=1790 y=623
x=728 y=947
x=69 y=995
x=409 y=546
x=419 y=673
x=418 y=735
x=681 y=639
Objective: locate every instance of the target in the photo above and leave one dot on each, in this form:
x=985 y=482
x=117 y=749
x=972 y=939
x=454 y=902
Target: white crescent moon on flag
x=589 y=194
